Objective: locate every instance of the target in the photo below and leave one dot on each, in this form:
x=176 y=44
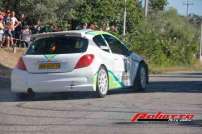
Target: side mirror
x=104 y=48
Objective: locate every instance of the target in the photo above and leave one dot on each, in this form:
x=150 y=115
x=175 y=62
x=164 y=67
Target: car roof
x=88 y=33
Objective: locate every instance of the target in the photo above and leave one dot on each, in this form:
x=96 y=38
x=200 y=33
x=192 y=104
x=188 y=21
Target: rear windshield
x=58 y=45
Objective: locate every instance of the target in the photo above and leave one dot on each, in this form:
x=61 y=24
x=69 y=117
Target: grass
x=8 y=60
x=197 y=66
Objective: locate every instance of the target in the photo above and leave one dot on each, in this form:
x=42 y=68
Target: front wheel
x=141 y=79
x=102 y=82
x=24 y=96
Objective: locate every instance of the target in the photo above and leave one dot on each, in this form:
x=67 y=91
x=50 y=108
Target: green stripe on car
x=50 y=56
x=114 y=81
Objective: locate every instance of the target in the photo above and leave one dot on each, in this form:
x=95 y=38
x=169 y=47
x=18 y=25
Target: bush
x=165 y=39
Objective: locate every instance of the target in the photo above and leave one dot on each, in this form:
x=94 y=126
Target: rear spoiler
x=50 y=34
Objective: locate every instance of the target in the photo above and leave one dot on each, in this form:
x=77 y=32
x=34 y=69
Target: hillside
x=8 y=60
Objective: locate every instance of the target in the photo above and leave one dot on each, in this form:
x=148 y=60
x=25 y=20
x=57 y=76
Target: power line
x=187 y=4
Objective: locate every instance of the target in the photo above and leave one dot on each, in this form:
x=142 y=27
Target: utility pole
x=124 y=20
x=187 y=3
x=201 y=44
x=146 y=2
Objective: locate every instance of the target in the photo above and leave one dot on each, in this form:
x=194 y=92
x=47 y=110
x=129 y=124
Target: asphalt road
x=74 y=112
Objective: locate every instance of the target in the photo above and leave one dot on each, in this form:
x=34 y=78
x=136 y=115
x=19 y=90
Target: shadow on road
x=193 y=123
x=180 y=75
x=4 y=71
x=175 y=86
x=169 y=85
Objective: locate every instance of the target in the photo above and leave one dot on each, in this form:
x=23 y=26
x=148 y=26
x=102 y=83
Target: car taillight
x=85 y=61
x=21 y=65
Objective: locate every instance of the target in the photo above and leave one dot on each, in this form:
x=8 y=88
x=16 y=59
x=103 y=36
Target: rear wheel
x=102 y=82
x=29 y=95
x=22 y=96
x=141 y=79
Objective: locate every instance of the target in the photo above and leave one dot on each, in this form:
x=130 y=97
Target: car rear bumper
x=80 y=80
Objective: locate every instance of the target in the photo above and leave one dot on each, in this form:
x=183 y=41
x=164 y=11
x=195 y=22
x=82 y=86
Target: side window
x=99 y=41
x=116 y=46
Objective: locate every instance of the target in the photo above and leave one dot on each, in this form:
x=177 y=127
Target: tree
x=1 y=5
x=156 y=5
x=166 y=39
x=44 y=10
x=195 y=20
x=109 y=11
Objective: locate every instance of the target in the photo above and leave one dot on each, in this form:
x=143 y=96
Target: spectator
x=47 y=28
x=55 y=28
x=14 y=20
x=15 y=23
x=107 y=28
x=1 y=13
x=7 y=17
x=1 y=30
x=36 y=28
x=114 y=28
x=78 y=27
x=22 y=23
x=93 y=26
x=85 y=26
x=7 y=36
x=26 y=35
x=23 y=20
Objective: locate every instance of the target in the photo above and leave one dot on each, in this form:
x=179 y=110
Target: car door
x=121 y=60
x=104 y=53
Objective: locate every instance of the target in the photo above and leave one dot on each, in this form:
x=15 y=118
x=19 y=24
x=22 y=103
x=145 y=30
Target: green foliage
x=45 y=10
x=157 y=4
x=1 y=4
x=164 y=38
x=109 y=11
x=195 y=20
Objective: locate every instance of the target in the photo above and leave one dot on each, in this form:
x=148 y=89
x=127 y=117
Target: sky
x=196 y=8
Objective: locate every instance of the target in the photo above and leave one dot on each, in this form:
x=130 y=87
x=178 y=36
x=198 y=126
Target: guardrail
x=18 y=43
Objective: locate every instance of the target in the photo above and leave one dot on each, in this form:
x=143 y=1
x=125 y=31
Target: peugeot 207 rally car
x=80 y=60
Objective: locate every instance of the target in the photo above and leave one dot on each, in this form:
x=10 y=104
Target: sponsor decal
x=50 y=57
x=114 y=81
x=160 y=116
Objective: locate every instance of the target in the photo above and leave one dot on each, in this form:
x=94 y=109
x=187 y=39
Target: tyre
x=141 y=79
x=22 y=96
x=102 y=84
x=25 y=96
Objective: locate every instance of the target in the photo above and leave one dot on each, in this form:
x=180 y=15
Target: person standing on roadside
x=22 y=23
x=93 y=26
x=1 y=29
x=7 y=36
x=14 y=23
x=26 y=33
x=36 y=28
x=85 y=26
x=7 y=18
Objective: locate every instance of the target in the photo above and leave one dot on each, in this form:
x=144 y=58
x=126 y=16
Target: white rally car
x=80 y=60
